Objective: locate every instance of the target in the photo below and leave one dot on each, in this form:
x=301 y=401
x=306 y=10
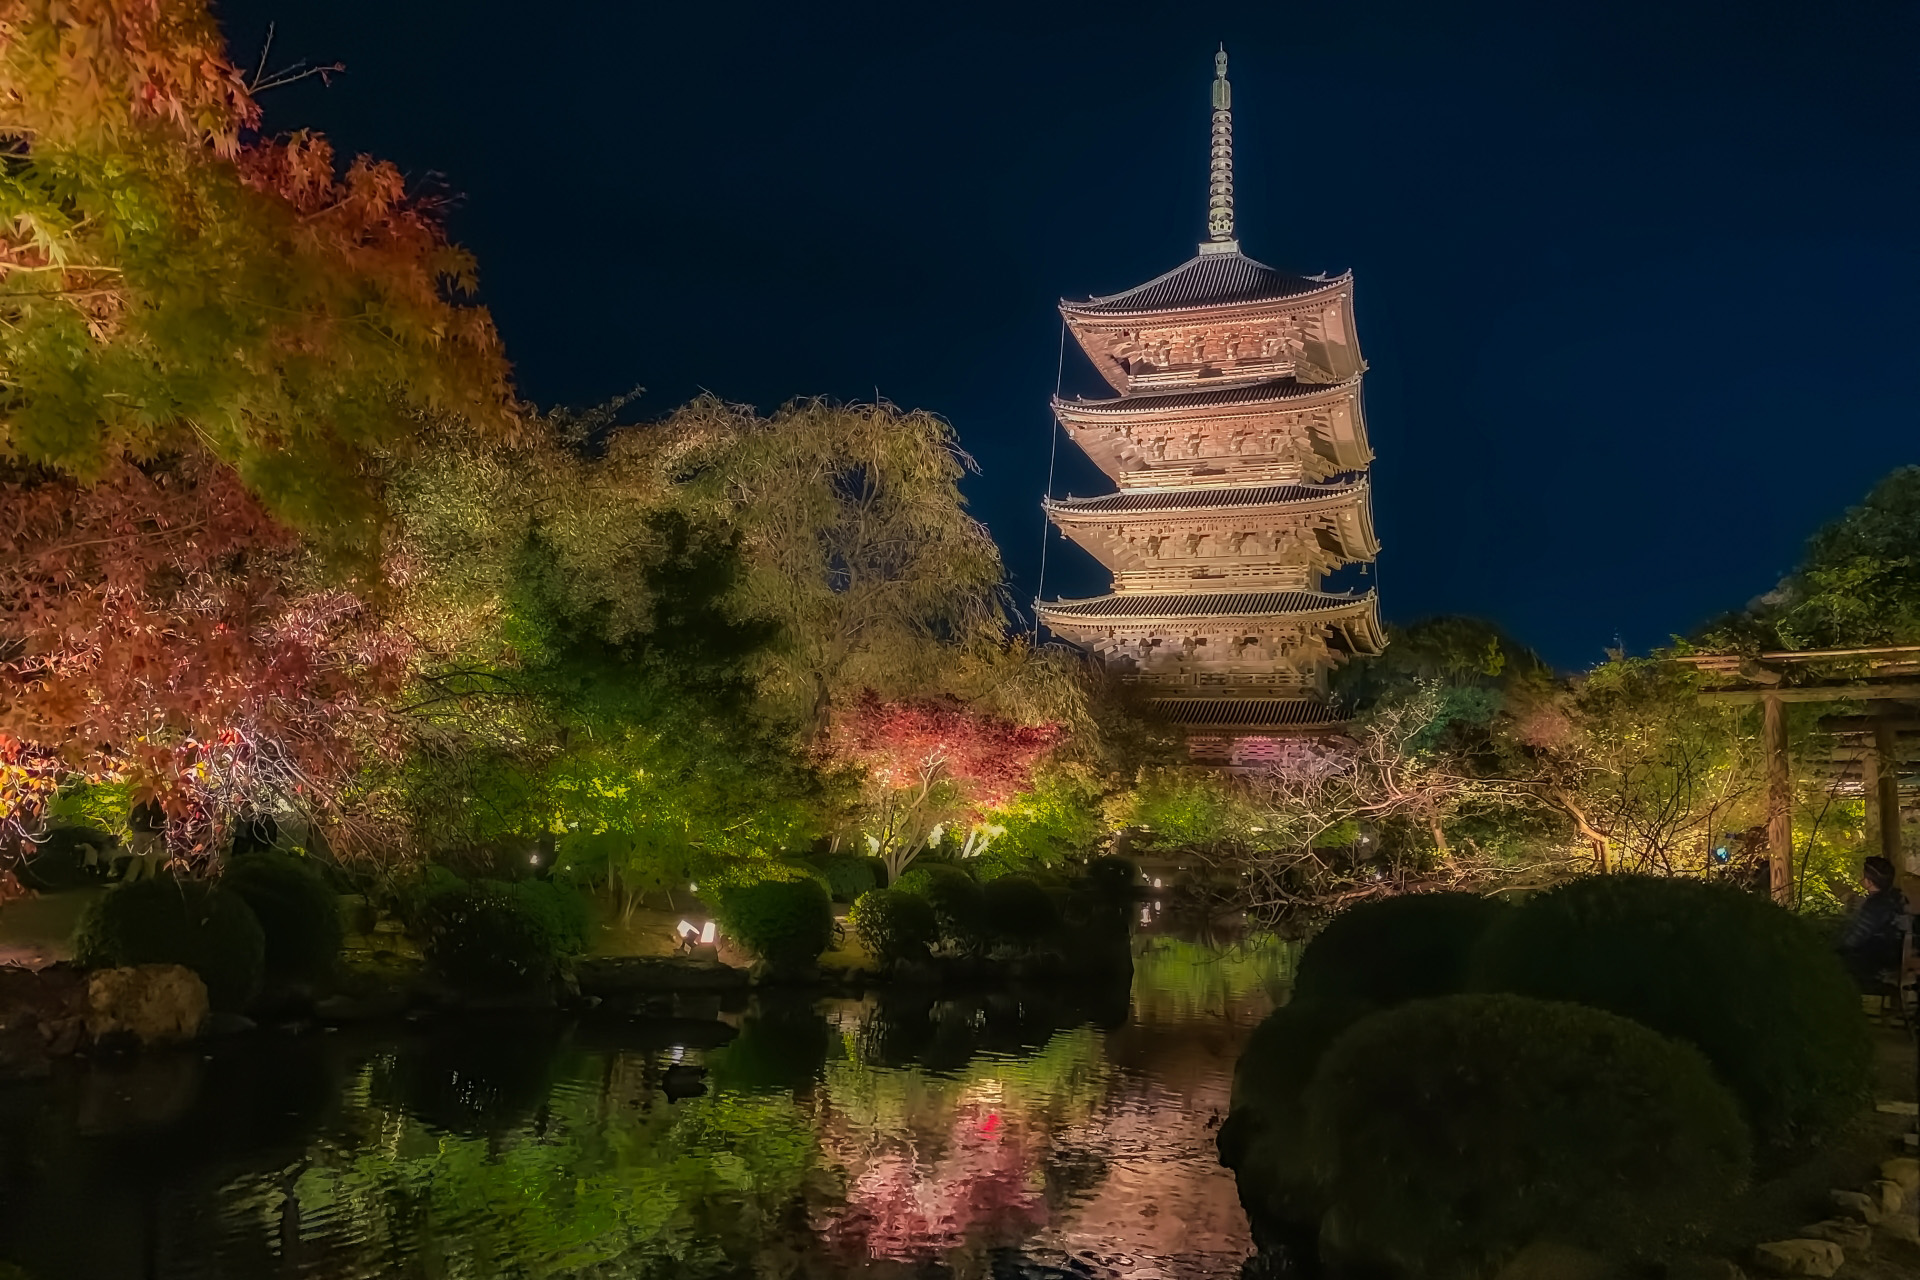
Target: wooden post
x=1886 y=791
x=1773 y=732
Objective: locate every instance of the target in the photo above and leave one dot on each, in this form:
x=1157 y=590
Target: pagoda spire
x=1220 y=175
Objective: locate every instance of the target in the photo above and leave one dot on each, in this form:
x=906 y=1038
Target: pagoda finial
x=1220 y=177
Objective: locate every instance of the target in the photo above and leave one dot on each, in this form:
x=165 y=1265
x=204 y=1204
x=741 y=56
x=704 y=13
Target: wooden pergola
x=1886 y=678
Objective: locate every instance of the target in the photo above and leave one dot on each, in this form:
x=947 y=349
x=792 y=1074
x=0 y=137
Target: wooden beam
x=1816 y=693
x=1773 y=733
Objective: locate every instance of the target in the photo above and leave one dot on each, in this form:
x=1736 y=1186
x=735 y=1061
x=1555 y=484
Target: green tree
x=857 y=544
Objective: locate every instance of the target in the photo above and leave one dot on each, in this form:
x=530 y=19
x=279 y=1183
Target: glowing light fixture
x=707 y=934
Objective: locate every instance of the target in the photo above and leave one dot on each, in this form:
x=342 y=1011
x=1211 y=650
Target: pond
x=1008 y=1132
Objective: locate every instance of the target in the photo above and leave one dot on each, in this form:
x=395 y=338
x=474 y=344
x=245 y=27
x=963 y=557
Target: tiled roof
x=1203 y=604
x=1132 y=500
x=1248 y=713
x=1211 y=279
x=1249 y=393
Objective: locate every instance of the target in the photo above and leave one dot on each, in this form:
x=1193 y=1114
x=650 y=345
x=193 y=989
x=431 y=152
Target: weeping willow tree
x=857 y=545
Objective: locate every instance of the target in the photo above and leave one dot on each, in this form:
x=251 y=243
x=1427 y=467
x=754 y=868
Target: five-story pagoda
x=1240 y=451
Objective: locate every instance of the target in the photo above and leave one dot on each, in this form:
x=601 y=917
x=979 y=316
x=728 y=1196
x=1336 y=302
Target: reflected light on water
x=880 y=1137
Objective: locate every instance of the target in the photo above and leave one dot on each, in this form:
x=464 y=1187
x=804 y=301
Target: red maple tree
x=931 y=761
x=153 y=631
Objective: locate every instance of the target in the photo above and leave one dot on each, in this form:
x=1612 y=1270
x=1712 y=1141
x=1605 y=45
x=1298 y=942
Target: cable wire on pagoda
x=1053 y=453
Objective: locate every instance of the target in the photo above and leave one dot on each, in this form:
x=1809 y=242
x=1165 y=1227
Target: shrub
x=1397 y=949
x=895 y=925
x=58 y=861
x=848 y=877
x=1264 y=1138
x=784 y=922
x=186 y=922
x=1742 y=979
x=1019 y=911
x=959 y=905
x=298 y=913
x=560 y=909
x=1448 y=1134
x=484 y=935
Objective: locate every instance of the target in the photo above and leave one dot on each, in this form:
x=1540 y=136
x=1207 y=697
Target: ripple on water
x=871 y=1138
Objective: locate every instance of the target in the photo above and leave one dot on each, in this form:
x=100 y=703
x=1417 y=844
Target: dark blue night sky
x=1637 y=282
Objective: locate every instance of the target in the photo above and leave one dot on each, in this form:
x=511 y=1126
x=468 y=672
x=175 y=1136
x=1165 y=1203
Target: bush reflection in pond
x=836 y=1139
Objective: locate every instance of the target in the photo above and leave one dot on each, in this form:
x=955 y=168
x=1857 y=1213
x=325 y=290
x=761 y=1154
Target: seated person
x=1870 y=945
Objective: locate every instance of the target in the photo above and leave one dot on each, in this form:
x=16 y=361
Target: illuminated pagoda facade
x=1239 y=447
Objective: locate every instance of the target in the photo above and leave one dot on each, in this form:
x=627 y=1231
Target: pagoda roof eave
x=1194 y=606
x=1217 y=401
x=1364 y=636
x=1132 y=504
x=1210 y=283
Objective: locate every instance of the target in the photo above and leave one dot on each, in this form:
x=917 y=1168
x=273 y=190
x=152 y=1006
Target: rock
x=152 y=1003
x=1544 y=1260
x=1800 y=1257
x=1891 y=1195
x=633 y=975
x=1853 y=1236
x=1904 y=1226
x=683 y=1080
x=1700 y=1267
x=1905 y=1171
x=1859 y=1204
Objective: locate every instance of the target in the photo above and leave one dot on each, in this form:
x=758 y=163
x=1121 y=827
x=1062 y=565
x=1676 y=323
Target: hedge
x=1020 y=911
x=299 y=915
x=187 y=922
x=959 y=905
x=1396 y=949
x=1448 y=1134
x=895 y=925
x=848 y=877
x=493 y=935
x=1749 y=984
x=784 y=922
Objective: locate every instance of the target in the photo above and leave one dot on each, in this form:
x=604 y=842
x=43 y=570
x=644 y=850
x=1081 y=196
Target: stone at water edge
x=1905 y=1171
x=1800 y=1257
x=1903 y=1226
x=1849 y=1234
x=1859 y=1204
x=1891 y=1195
x=154 y=1003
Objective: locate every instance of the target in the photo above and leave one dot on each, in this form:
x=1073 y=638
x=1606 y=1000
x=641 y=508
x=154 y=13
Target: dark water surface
x=1007 y=1133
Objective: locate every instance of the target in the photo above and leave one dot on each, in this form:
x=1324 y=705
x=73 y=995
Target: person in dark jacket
x=1871 y=943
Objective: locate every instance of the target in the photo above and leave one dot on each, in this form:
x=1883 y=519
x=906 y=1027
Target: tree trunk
x=1773 y=732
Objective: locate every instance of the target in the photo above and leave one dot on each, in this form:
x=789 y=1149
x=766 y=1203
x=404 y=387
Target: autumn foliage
x=152 y=632
x=931 y=761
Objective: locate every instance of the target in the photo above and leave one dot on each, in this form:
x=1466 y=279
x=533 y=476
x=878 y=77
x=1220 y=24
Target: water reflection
x=1010 y=1132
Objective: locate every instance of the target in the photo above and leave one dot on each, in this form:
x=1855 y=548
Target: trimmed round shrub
x=1264 y=1137
x=1396 y=949
x=959 y=905
x=1448 y=1134
x=784 y=922
x=57 y=862
x=484 y=936
x=1745 y=981
x=186 y=922
x=560 y=909
x=1020 y=911
x=848 y=877
x=894 y=925
x=298 y=913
